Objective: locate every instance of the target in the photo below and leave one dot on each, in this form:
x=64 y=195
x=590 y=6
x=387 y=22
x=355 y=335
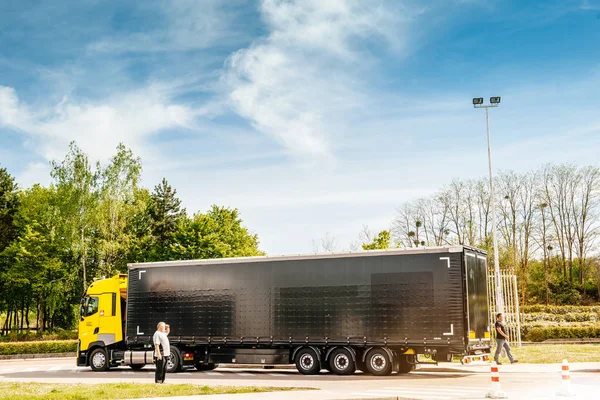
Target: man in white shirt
x=161 y=340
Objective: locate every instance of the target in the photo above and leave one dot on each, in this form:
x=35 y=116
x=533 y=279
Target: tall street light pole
x=494 y=102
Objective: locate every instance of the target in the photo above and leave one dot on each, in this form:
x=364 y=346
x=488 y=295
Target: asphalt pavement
x=446 y=381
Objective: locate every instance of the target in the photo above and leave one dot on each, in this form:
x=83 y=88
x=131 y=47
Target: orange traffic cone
x=565 y=386
x=495 y=389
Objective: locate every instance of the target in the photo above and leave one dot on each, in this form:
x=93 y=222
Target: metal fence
x=511 y=305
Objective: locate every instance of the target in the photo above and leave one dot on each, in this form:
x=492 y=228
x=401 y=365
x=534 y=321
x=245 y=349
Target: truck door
x=89 y=323
x=109 y=324
x=477 y=296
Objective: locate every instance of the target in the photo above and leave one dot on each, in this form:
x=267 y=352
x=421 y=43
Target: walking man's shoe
x=498 y=363
x=514 y=361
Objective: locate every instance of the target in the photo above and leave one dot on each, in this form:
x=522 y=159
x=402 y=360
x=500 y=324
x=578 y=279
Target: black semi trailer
x=374 y=311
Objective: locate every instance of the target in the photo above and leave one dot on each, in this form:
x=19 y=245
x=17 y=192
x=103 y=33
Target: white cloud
x=297 y=83
x=97 y=126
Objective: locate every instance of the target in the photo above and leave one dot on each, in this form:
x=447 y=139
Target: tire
x=378 y=362
x=341 y=362
x=136 y=367
x=205 y=367
x=307 y=362
x=99 y=360
x=174 y=363
x=406 y=364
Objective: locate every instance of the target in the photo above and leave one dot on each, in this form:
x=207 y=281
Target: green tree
x=117 y=203
x=76 y=189
x=9 y=203
x=37 y=277
x=139 y=228
x=165 y=214
x=381 y=241
x=217 y=234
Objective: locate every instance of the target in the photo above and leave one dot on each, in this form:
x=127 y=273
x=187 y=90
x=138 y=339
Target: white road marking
x=212 y=373
x=424 y=393
x=245 y=374
x=438 y=389
x=57 y=368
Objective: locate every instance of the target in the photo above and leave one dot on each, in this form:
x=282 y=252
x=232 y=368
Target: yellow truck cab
x=102 y=331
x=101 y=321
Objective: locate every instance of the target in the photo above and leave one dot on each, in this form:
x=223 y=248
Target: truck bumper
x=81 y=356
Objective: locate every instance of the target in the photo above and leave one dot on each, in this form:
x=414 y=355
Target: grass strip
x=554 y=353
x=58 y=391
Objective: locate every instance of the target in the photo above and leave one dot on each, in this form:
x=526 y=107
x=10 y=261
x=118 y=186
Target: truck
x=375 y=311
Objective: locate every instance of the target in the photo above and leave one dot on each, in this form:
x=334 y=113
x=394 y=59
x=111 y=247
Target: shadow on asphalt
x=278 y=374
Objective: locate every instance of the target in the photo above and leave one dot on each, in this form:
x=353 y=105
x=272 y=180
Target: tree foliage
x=550 y=215
x=90 y=222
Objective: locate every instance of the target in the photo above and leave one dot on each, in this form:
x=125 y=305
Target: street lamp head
x=477 y=101
x=495 y=100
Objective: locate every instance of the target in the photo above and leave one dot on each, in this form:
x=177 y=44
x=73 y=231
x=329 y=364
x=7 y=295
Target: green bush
x=540 y=334
x=56 y=334
x=55 y=346
x=567 y=317
x=540 y=308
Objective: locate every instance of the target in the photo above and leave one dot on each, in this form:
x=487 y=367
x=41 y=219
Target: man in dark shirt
x=502 y=340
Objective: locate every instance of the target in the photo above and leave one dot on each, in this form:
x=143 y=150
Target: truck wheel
x=174 y=363
x=406 y=364
x=99 y=360
x=307 y=362
x=205 y=367
x=136 y=367
x=378 y=362
x=341 y=362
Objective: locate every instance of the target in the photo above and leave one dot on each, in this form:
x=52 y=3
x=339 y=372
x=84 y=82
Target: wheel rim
x=378 y=362
x=170 y=364
x=99 y=360
x=307 y=361
x=341 y=362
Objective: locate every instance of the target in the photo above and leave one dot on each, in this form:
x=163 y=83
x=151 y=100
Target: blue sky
x=311 y=117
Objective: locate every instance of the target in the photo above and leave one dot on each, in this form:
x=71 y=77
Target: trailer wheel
x=378 y=362
x=99 y=360
x=341 y=362
x=136 y=367
x=307 y=362
x=174 y=363
x=407 y=363
x=206 y=367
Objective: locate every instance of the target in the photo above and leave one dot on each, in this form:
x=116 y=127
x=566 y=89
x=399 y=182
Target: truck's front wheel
x=174 y=363
x=99 y=360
